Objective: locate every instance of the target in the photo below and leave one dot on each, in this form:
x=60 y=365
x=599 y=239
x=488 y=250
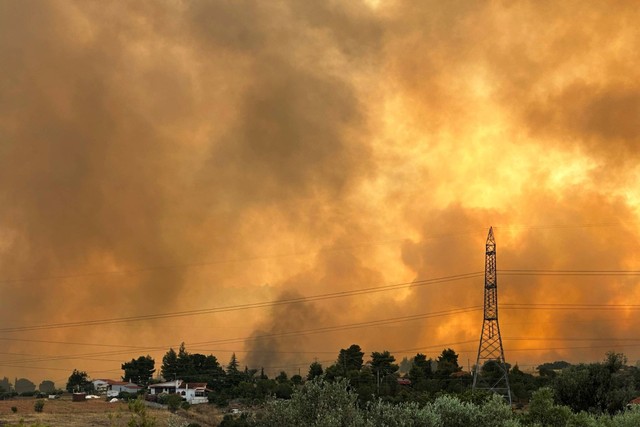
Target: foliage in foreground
x=323 y=403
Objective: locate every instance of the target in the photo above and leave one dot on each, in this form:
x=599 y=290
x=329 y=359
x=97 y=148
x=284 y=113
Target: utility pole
x=490 y=348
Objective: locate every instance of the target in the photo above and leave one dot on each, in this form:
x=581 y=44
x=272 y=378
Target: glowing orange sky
x=161 y=157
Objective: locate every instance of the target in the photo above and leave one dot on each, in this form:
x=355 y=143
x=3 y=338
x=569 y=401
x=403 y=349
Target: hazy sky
x=162 y=157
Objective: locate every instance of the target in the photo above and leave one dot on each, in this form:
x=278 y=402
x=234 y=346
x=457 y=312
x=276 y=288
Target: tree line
x=601 y=387
x=25 y=387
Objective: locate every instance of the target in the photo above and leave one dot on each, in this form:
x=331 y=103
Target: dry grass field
x=64 y=412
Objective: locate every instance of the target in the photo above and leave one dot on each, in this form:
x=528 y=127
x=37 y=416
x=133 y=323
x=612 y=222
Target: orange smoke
x=160 y=158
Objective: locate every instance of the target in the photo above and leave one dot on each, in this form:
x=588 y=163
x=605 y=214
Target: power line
x=318 y=297
x=345 y=327
x=571 y=339
x=579 y=307
x=239 y=307
x=72 y=343
x=570 y=272
x=259 y=337
x=334 y=328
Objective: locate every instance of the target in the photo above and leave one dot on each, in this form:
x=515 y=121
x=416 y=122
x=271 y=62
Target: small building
x=101 y=385
x=117 y=387
x=194 y=393
x=113 y=388
x=79 y=397
x=168 y=387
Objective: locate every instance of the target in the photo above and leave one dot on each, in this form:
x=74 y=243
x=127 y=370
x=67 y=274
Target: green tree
x=263 y=376
x=447 y=363
x=596 y=387
x=350 y=359
x=139 y=370
x=543 y=412
x=5 y=384
x=192 y=367
x=383 y=366
x=232 y=367
x=315 y=370
x=493 y=371
x=522 y=384
x=282 y=377
x=184 y=363
x=382 y=363
x=47 y=386
x=420 y=372
x=197 y=367
x=614 y=361
x=79 y=381
x=169 y=369
x=23 y=385
x=234 y=376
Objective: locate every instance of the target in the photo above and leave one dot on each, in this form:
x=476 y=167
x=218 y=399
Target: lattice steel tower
x=495 y=378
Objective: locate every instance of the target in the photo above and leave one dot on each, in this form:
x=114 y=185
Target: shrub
x=174 y=401
x=543 y=411
x=232 y=421
x=455 y=413
x=126 y=396
x=139 y=416
x=319 y=403
x=384 y=414
x=38 y=406
x=14 y=409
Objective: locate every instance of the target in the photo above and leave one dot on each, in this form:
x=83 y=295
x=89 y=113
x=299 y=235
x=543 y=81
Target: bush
x=455 y=413
x=544 y=412
x=139 y=416
x=174 y=401
x=38 y=406
x=185 y=405
x=384 y=414
x=232 y=421
x=126 y=396
x=319 y=403
x=14 y=409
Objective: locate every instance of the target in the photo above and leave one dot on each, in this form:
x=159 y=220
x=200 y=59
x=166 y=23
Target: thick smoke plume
x=160 y=157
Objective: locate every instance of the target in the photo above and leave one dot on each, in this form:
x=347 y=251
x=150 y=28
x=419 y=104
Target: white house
x=168 y=387
x=112 y=388
x=122 y=386
x=101 y=385
x=194 y=393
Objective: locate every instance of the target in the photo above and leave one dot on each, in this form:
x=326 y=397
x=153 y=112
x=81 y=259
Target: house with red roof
x=194 y=393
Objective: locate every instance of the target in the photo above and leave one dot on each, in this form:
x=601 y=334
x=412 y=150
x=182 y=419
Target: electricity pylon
x=490 y=351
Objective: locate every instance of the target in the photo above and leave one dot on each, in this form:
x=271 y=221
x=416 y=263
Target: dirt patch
x=98 y=412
